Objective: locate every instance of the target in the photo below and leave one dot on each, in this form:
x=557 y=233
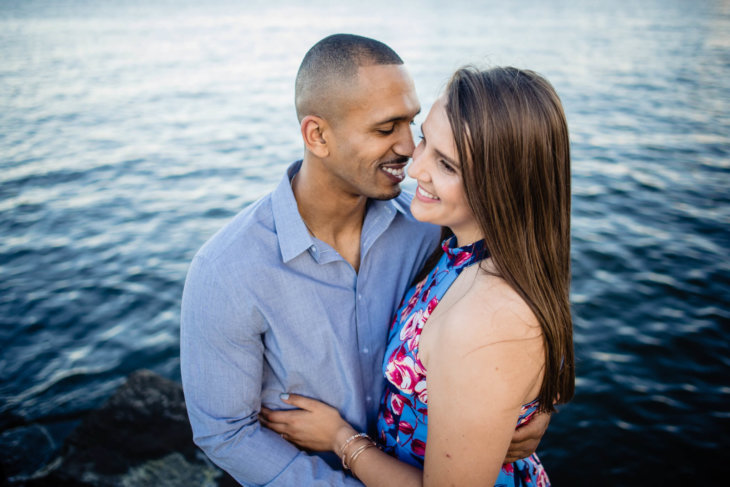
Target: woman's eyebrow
x=447 y=159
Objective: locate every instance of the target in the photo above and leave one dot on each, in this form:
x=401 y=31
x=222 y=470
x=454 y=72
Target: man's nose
x=404 y=146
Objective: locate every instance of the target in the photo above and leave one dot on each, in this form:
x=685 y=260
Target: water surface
x=131 y=131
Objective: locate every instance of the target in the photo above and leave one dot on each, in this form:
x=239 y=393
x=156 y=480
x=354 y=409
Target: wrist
x=343 y=434
x=354 y=446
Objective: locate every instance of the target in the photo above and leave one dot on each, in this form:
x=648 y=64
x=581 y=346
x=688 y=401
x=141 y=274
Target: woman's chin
x=419 y=214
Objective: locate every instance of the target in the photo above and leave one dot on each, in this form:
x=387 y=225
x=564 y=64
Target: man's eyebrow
x=398 y=119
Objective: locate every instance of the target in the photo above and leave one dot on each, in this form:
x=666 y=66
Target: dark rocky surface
x=139 y=437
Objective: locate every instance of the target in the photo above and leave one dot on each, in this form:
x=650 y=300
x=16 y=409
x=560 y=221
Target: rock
x=26 y=450
x=139 y=437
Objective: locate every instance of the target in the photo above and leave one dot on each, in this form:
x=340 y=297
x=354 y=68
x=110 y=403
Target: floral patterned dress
x=403 y=416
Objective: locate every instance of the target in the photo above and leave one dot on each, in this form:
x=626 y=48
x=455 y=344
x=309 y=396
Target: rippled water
x=131 y=131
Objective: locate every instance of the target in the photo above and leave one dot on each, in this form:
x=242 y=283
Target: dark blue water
x=131 y=131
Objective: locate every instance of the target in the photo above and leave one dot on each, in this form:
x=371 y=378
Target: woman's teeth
x=426 y=194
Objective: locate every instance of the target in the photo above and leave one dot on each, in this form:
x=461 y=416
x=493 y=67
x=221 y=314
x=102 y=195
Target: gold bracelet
x=358 y=452
x=347 y=443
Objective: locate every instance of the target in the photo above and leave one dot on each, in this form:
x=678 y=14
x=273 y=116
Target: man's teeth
x=425 y=193
x=399 y=172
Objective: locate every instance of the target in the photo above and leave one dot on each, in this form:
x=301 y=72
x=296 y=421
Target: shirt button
x=366 y=350
x=359 y=296
x=369 y=399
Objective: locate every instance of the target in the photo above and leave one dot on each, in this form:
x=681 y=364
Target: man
x=295 y=294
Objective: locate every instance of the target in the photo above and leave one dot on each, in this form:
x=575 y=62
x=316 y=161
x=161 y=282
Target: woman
x=488 y=322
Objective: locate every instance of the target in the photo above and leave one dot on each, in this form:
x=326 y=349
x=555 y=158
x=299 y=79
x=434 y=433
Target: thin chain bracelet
x=351 y=463
x=347 y=443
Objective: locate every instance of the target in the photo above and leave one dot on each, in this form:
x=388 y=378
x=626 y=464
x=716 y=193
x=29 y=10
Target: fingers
x=300 y=401
x=283 y=417
x=265 y=414
x=521 y=434
x=274 y=423
x=277 y=427
x=289 y=420
x=532 y=430
x=518 y=452
x=543 y=419
x=289 y=416
x=518 y=448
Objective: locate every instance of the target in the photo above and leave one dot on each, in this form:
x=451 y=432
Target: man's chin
x=395 y=191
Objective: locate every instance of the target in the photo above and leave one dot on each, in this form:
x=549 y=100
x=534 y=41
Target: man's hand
x=527 y=438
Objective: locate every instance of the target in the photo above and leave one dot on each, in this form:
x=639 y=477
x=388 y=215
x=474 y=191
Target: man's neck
x=330 y=214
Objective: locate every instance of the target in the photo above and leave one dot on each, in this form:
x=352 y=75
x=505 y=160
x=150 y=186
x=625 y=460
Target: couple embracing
x=341 y=332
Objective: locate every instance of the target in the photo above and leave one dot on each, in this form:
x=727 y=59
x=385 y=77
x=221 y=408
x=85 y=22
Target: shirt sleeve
x=221 y=361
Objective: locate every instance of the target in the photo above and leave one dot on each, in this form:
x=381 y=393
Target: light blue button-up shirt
x=267 y=308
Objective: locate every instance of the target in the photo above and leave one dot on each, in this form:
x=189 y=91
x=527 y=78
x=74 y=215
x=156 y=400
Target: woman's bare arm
x=317 y=426
x=486 y=364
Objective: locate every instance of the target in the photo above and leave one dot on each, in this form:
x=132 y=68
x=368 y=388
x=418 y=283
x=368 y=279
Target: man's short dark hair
x=330 y=64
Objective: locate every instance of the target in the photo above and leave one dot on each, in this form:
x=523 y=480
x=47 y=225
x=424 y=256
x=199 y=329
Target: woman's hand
x=527 y=438
x=314 y=426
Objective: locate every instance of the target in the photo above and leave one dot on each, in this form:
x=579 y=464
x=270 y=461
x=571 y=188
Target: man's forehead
x=387 y=92
x=383 y=74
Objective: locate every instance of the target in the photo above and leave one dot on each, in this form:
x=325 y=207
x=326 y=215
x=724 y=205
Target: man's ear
x=313 y=128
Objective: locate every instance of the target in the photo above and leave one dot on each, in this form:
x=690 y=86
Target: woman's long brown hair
x=512 y=138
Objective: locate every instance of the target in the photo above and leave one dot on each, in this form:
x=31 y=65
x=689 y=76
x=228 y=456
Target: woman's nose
x=416 y=169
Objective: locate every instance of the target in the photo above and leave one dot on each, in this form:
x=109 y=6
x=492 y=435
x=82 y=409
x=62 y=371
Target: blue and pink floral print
x=403 y=416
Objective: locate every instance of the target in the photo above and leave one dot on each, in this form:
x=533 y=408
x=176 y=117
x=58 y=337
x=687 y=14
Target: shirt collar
x=292 y=233
x=293 y=236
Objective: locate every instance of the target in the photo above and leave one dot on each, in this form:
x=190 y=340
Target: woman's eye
x=387 y=131
x=446 y=166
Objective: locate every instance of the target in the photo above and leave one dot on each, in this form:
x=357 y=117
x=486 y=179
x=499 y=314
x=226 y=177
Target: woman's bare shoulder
x=491 y=310
x=489 y=331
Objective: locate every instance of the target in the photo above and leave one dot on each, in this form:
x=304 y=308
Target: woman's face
x=440 y=197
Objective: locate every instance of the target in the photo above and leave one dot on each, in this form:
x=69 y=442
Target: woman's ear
x=313 y=128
